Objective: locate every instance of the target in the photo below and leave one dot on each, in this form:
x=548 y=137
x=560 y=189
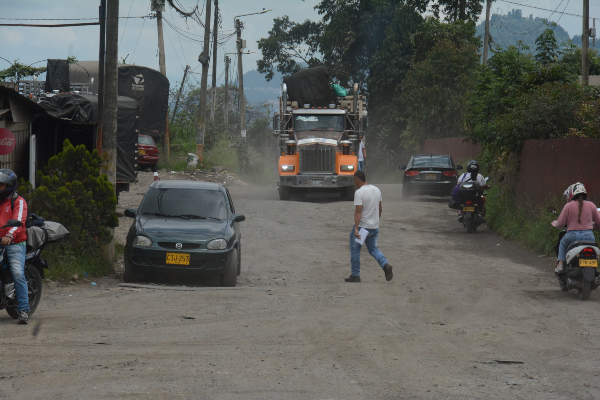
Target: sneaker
x=461 y=218
x=23 y=317
x=559 y=268
x=353 y=278
x=387 y=268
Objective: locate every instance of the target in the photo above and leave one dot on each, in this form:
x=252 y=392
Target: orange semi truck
x=318 y=143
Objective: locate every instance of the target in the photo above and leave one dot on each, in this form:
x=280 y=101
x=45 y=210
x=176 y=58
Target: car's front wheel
x=128 y=274
x=229 y=278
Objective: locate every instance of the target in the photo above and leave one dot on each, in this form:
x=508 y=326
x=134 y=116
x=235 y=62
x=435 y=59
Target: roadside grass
x=63 y=266
x=524 y=223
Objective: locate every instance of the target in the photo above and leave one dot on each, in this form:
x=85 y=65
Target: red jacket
x=19 y=212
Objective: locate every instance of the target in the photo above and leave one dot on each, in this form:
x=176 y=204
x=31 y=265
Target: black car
x=184 y=227
x=429 y=174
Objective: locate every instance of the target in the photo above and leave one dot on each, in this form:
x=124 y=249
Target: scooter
x=471 y=205
x=581 y=265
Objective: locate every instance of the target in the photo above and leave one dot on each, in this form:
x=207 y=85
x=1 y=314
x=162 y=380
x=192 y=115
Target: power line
x=543 y=9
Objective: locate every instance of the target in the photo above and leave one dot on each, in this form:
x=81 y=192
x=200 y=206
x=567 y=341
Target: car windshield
x=432 y=162
x=146 y=140
x=319 y=123
x=184 y=203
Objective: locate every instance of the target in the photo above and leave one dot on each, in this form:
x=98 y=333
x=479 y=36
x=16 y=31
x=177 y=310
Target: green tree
x=444 y=70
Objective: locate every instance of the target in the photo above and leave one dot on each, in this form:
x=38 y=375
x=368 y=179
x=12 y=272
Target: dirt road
x=466 y=316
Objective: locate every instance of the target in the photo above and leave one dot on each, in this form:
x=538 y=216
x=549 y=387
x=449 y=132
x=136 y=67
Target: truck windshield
x=303 y=123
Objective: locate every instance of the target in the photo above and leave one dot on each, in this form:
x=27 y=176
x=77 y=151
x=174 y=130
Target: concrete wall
x=455 y=147
x=549 y=166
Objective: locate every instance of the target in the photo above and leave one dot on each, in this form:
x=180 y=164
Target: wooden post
x=203 y=84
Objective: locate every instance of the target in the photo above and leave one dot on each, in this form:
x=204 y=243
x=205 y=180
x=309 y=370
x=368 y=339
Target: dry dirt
x=466 y=316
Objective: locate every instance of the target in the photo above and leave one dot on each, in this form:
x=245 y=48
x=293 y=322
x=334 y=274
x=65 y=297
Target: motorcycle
x=471 y=205
x=580 y=271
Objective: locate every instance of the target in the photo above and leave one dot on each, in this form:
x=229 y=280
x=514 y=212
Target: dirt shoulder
x=466 y=316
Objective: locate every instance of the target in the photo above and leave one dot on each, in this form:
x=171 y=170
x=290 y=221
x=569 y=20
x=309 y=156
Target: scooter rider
x=579 y=216
x=14 y=239
x=473 y=175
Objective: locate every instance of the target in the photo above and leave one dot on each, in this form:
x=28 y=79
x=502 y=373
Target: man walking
x=362 y=153
x=367 y=202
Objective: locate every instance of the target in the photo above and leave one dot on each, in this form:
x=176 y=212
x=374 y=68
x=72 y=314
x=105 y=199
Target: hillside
x=507 y=30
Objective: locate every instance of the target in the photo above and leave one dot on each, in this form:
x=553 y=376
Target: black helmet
x=10 y=178
x=473 y=167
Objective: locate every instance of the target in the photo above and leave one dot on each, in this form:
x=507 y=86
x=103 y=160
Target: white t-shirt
x=361 y=147
x=466 y=176
x=368 y=196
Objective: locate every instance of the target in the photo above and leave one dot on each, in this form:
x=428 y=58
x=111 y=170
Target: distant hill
x=258 y=90
x=507 y=30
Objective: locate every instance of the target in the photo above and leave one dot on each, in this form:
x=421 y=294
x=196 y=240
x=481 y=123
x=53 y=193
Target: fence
x=549 y=166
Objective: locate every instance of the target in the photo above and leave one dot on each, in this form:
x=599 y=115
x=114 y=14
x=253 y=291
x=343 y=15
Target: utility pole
x=226 y=116
x=585 y=45
x=238 y=28
x=101 y=60
x=161 y=43
x=486 y=38
x=187 y=67
x=109 y=139
x=203 y=59
x=214 y=70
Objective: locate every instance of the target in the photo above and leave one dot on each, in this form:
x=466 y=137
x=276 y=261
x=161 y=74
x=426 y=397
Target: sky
x=183 y=39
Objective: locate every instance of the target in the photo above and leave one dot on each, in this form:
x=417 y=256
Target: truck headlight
x=142 y=241
x=217 y=244
x=288 y=168
x=347 y=167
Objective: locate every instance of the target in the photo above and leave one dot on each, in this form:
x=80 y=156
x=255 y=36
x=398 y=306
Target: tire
x=154 y=167
x=229 y=278
x=239 y=266
x=406 y=192
x=349 y=191
x=128 y=274
x=584 y=291
x=470 y=225
x=284 y=192
x=34 y=286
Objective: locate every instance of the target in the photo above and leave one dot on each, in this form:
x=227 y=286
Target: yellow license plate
x=588 y=263
x=467 y=209
x=142 y=152
x=429 y=177
x=178 y=258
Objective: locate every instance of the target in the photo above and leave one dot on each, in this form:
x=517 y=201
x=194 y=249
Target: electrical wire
x=138 y=39
x=125 y=27
x=539 y=26
x=543 y=9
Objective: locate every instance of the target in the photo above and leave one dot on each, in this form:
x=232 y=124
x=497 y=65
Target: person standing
x=14 y=239
x=362 y=153
x=367 y=202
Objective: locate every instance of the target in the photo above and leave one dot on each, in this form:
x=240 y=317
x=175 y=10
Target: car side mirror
x=459 y=167
x=403 y=167
x=239 y=217
x=131 y=213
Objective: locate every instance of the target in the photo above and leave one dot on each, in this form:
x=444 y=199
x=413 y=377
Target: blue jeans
x=15 y=254
x=571 y=237
x=361 y=165
x=371 y=243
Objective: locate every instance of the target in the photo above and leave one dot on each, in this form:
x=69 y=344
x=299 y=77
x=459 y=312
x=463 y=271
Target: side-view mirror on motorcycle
x=12 y=223
x=459 y=167
x=487 y=178
x=552 y=210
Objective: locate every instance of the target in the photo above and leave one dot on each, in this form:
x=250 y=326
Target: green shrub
x=72 y=191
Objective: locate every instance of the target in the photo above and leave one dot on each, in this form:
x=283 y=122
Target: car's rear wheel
x=154 y=167
x=229 y=278
x=406 y=192
x=239 y=266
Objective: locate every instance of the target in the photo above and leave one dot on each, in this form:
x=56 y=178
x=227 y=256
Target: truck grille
x=317 y=159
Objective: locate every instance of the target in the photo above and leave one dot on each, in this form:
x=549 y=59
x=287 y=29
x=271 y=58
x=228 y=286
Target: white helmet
x=575 y=189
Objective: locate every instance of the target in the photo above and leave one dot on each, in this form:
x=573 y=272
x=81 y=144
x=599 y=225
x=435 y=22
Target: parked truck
x=317 y=134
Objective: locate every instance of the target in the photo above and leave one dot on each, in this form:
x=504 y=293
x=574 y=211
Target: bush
x=74 y=193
